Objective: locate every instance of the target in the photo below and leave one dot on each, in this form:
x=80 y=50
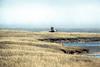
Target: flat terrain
x=24 y=49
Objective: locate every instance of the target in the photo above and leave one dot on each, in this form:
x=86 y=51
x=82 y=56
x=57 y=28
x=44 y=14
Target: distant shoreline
x=58 y=30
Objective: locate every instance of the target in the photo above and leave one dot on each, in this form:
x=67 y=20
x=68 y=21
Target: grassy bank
x=24 y=49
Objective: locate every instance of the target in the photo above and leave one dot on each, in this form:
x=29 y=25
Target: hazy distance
x=47 y=13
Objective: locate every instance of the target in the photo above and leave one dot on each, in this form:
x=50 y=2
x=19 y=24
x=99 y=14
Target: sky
x=46 y=13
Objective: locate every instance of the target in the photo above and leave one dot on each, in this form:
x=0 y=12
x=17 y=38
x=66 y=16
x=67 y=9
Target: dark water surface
x=94 y=47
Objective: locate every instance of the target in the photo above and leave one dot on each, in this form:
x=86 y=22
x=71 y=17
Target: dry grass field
x=23 y=49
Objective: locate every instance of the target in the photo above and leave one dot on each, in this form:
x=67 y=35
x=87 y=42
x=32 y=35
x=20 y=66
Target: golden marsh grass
x=23 y=49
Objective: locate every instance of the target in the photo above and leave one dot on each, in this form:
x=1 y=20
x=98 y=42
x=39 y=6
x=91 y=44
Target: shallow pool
x=94 y=47
x=83 y=44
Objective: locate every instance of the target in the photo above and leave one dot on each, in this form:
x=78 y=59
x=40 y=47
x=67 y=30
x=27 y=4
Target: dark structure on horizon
x=52 y=29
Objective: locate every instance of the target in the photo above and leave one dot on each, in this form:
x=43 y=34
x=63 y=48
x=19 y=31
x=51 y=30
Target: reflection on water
x=94 y=47
x=98 y=55
x=83 y=44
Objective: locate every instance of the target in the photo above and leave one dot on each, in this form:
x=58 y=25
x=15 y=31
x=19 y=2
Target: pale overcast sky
x=46 y=13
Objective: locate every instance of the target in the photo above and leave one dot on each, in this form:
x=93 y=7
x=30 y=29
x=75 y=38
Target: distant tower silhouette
x=52 y=29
